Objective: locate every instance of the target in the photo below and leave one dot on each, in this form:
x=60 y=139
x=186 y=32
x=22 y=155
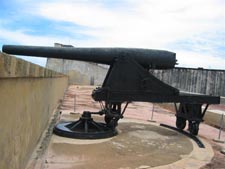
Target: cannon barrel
x=158 y=59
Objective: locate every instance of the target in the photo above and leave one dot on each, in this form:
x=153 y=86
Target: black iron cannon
x=158 y=59
x=128 y=79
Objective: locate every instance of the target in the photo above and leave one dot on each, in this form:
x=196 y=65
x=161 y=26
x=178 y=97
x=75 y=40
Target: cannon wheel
x=194 y=127
x=181 y=123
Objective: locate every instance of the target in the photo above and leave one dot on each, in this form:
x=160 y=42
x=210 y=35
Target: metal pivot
x=84 y=128
x=113 y=112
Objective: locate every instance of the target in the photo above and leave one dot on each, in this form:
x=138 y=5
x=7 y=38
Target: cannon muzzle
x=158 y=59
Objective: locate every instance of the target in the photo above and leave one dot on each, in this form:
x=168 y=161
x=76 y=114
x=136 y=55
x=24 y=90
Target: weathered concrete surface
x=29 y=94
x=203 y=81
x=80 y=73
x=137 y=145
x=63 y=152
x=14 y=67
x=214 y=117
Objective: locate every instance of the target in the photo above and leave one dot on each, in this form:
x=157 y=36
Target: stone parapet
x=11 y=66
x=29 y=95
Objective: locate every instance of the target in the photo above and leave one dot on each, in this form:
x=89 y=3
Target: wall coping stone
x=13 y=67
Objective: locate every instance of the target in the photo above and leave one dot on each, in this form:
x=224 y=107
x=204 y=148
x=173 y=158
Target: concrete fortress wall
x=29 y=95
x=79 y=72
x=82 y=73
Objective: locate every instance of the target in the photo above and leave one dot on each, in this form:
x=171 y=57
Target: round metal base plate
x=63 y=129
x=84 y=128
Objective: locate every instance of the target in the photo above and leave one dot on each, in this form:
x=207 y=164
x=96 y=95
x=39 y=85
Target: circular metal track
x=84 y=128
x=193 y=137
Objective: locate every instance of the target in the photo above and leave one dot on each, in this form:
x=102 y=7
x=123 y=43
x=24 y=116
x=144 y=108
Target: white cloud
x=149 y=23
x=195 y=60
x=19 y=36
x=134 y=23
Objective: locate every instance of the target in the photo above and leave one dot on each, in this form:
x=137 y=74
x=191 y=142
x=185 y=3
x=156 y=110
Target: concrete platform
x=139 y=145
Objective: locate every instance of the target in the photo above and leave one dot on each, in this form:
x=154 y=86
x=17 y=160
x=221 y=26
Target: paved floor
x=140 y=144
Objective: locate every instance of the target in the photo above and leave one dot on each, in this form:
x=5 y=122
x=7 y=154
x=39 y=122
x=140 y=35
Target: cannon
x=146 y=57
x=128 y=79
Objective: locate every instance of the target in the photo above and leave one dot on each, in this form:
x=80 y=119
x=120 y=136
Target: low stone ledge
x=213 y=117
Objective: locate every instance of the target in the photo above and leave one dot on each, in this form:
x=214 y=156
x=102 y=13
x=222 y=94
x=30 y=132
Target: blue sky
x=194 y=29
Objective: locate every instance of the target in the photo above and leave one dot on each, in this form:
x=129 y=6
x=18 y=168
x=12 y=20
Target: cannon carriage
x=128 y=79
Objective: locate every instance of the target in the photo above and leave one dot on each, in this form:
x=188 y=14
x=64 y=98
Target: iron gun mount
x=128 y=79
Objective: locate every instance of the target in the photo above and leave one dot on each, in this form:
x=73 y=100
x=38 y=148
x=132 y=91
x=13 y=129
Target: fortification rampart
x=29 y=95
